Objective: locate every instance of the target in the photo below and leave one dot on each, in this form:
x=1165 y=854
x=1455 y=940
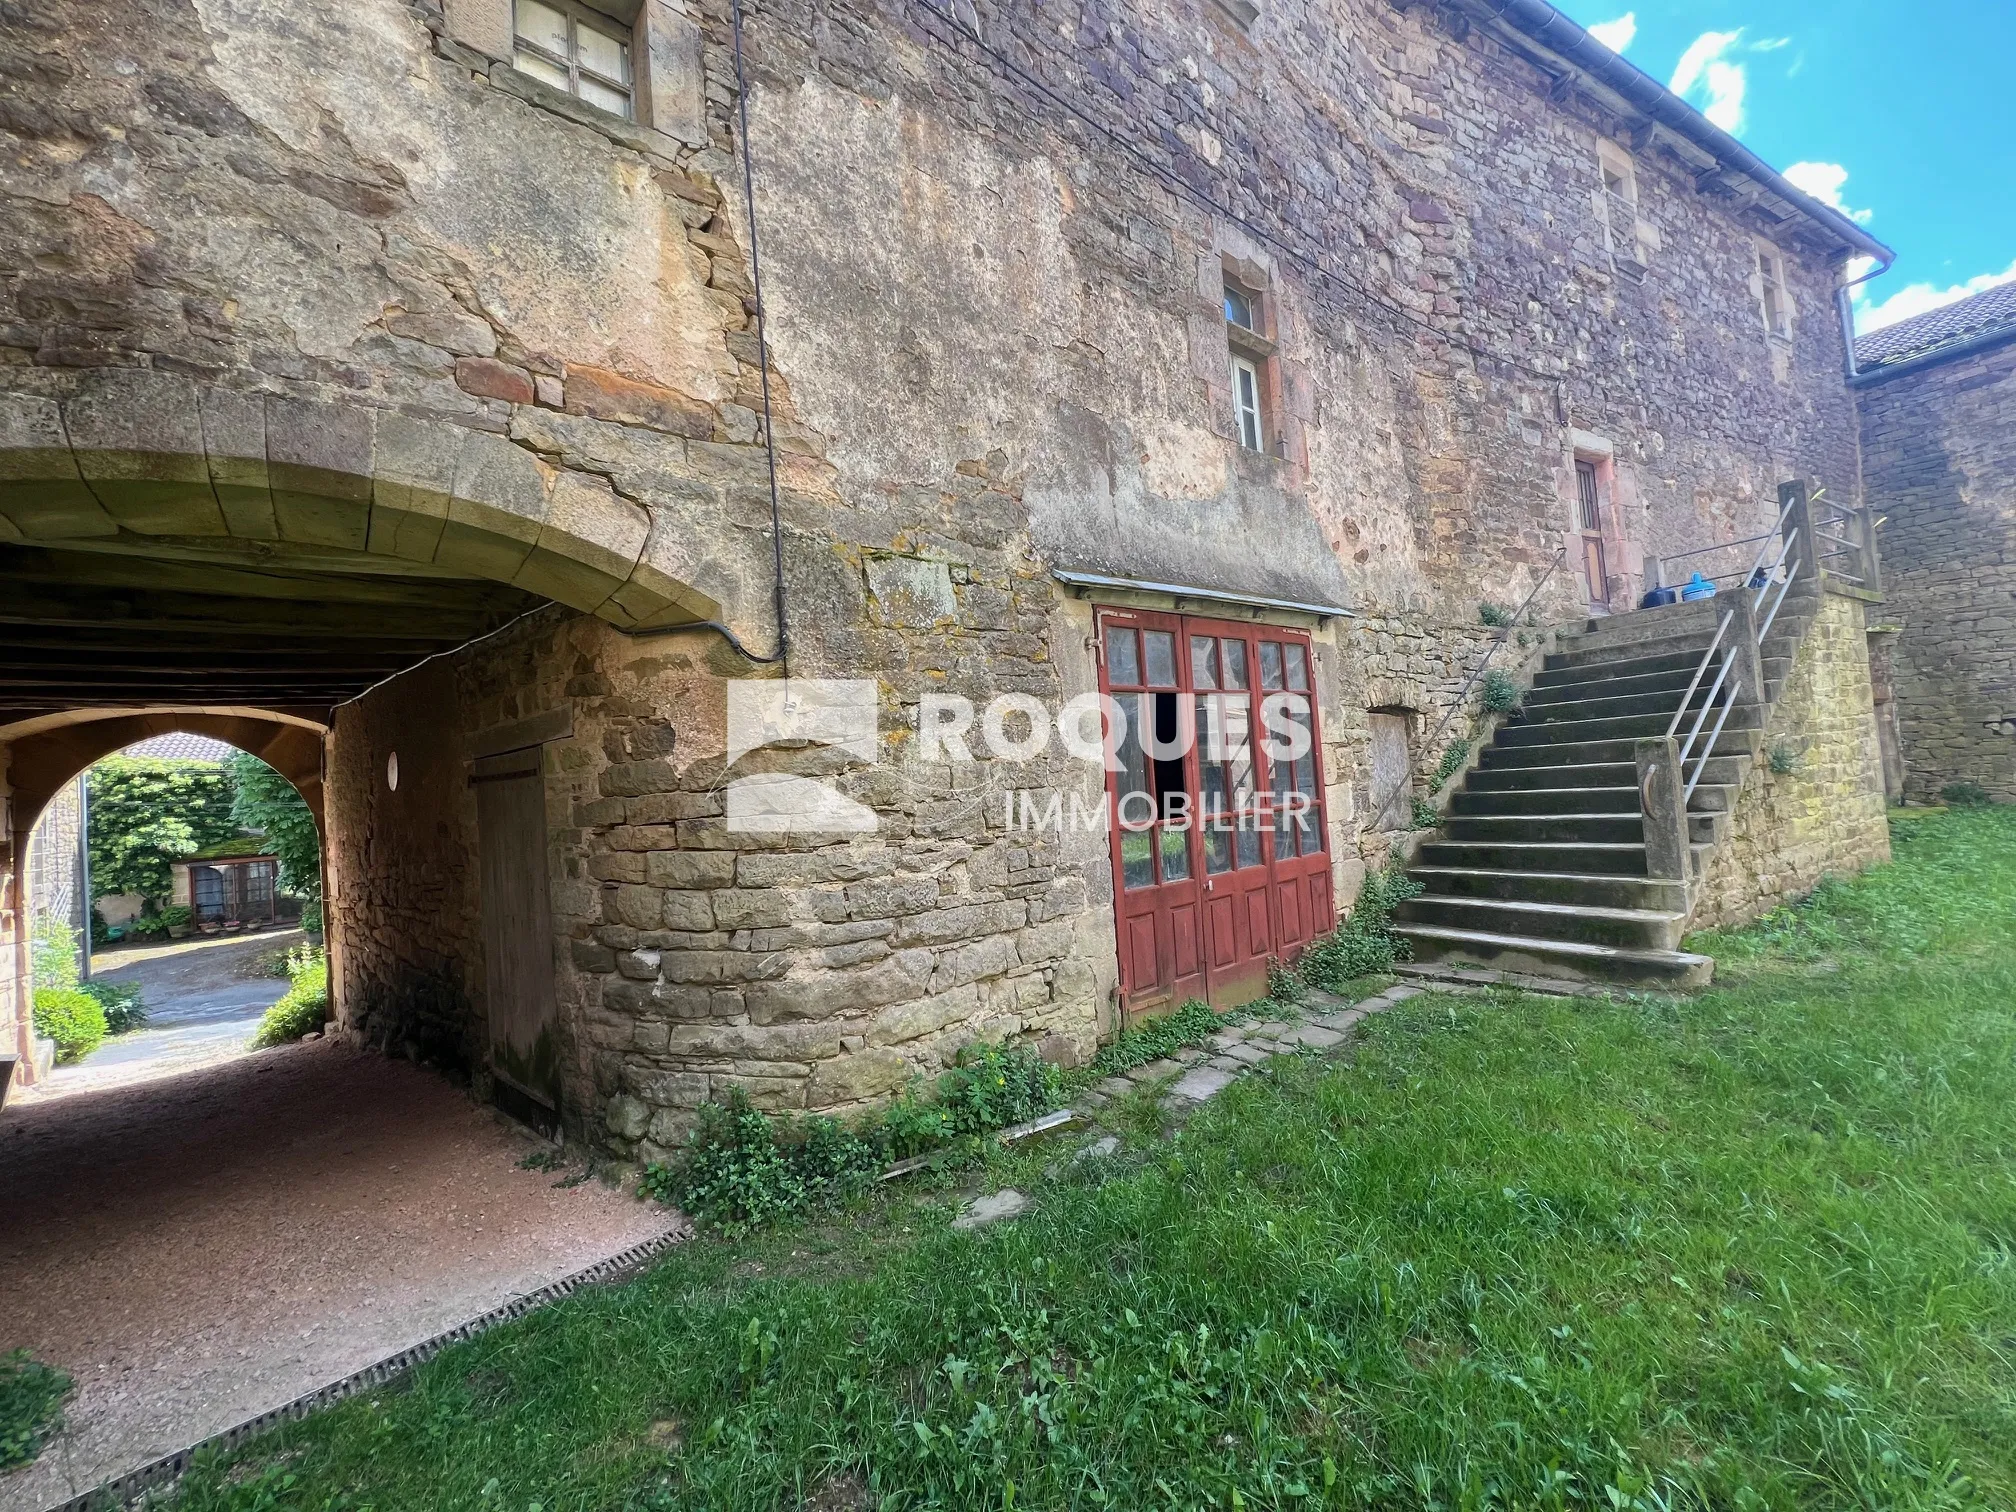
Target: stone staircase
x=1540 y=864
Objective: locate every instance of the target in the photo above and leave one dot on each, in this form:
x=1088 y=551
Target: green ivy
x=265 y=801
x=147 y=813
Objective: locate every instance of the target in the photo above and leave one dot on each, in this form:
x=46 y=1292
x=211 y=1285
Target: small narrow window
x=1251 y=353
x=577 y=50
x=1771 y=281
x=1619 y=206
x=1246 y=404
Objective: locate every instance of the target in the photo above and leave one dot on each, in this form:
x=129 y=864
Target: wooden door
x=1151 y=802
x=517 y=933
x=1589 y=511
x=1218 y=851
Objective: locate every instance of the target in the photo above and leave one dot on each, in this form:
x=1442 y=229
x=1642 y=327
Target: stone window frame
x=667 y=69
x=1253 y=349
x=1616 y=204
x=1769 y=276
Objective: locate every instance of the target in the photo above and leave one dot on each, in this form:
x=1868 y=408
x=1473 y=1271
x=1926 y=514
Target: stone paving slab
x=1200 y=1084
x=1239 y=1049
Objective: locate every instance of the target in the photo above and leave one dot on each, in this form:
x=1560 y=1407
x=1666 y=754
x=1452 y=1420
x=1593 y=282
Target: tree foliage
x=147 y=813
x=267 y=802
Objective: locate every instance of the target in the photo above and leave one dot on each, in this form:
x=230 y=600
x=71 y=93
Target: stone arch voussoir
x=135 y=452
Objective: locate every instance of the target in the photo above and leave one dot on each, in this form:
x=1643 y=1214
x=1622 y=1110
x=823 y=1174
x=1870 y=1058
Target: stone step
x=1586 y=889
x=1567 y=958
x=1566 y=829
x=1566 y=675
x=1522 y=776
x=1622 y=799
x=1672 y=682
x=1742 y=716
x=1599 y=703
x=1734 y=742
x=1618 y=858
x=1664 y=623
x=1626 y=928
x=1686 y=649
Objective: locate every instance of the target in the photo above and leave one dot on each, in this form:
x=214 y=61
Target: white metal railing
x=1770 y=575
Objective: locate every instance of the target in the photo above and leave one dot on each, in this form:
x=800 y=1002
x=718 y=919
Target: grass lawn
x=1752 y=1250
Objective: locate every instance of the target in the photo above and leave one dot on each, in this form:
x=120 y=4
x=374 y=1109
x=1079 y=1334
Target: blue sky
x=1903 y=114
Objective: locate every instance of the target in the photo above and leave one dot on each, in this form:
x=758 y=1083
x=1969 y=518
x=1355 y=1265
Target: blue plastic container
x=1696 y=587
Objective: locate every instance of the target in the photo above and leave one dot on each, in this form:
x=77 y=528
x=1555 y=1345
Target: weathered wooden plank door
x=517 y=932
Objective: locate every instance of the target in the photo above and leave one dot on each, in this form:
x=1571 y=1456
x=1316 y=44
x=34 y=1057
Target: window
x=1771 y=288
x=1251 y=352
x=577 y=50
x=1246 y=404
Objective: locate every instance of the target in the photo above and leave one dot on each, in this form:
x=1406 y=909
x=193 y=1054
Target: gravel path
x=204 y=999
x=200 y=1248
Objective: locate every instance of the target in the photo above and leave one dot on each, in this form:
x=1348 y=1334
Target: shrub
x=1364 y=944
x=1495 y=615
x=124 y=1010
x=1966 y=795
x=1425 y=816
x=31 y=1406
x=305 y=1008
x=71 y=1018
x=744 y=1169
x=1501 y=694
x=737 y=1174
x=1452 y=761
x=52 y=953
x=177 y=916
x=148 y=927
x=1783 y=759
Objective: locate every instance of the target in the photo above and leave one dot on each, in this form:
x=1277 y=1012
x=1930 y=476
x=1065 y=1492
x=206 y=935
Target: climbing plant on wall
x=147 y=812
x=267 y=802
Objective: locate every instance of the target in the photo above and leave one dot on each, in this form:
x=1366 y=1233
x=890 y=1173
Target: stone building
x=1936 y=400
x=382 y=388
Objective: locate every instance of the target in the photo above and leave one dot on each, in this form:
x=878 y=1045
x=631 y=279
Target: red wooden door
x=1219 y=836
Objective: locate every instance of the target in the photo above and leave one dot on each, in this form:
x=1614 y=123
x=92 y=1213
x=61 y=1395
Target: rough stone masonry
x=390 y=299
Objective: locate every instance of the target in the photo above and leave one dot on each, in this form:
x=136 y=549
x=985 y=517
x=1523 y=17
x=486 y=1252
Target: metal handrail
x=1463 y=693
x=1699 y=671
x=1681 y=556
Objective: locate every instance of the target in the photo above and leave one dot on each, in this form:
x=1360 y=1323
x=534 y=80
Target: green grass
x=31 y=1406
x=1752 y=1250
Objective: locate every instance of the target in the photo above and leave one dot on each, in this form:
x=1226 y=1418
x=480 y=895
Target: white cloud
x=1916 y=299
x=1823 y=181
x=1616 y=35
x=1707 y=79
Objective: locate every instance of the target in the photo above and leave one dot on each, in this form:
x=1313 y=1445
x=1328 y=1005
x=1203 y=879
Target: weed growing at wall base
x=31 y=1406
x=743 y=1169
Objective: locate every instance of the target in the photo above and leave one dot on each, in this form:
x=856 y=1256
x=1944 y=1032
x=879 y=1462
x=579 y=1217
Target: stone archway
x=38 y=756
x=241 y=562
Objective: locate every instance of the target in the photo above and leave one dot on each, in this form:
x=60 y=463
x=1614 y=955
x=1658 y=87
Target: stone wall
x=1939 y=460
x=1826 y=816
x=998 y=349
